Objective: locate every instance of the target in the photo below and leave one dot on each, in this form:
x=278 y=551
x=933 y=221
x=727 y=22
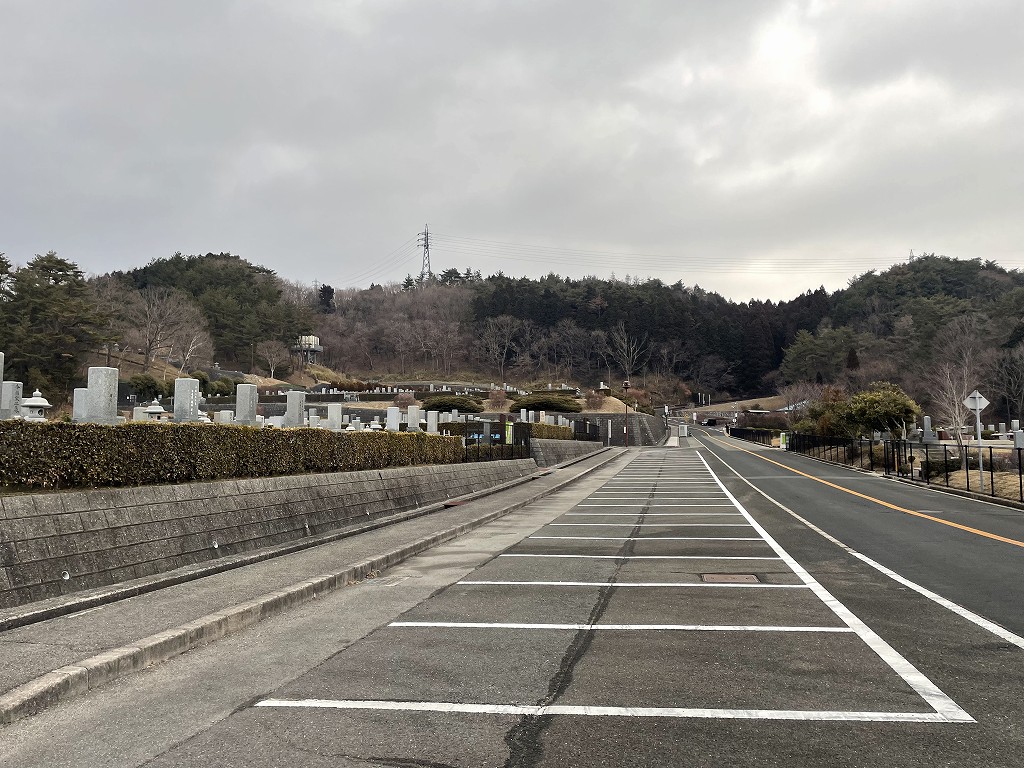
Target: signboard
x=976 y=401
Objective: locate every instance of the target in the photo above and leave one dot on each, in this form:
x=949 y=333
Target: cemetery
x=172 y=489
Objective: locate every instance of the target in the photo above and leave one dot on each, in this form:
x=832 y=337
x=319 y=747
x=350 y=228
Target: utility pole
x=424 y=243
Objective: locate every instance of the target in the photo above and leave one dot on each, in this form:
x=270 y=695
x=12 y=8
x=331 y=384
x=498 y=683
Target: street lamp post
x=625 y=391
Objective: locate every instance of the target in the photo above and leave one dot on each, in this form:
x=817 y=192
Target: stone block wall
x=547 y=453
x=107 y=536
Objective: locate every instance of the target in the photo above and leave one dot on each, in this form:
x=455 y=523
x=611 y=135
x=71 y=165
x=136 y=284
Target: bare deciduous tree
x=962 y=364
x=629 y=352
x=274 y=354
x=159 y=319
x=499 y=339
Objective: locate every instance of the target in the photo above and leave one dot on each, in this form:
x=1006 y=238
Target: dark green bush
x=549 y=432
x=461 y=403
x=549 y=402
x=145 y=386
x=63 y=455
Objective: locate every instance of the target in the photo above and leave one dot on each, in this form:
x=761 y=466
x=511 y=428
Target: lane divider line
x=924 y=687
x=645 y=557
x=889 y=505
x=617 y=584
x=959 y=610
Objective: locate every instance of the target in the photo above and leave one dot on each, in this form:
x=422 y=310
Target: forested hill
x=194 y=310
x=880 y=326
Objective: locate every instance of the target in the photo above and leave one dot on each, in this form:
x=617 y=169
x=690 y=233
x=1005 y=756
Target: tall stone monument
x=246 y=399
x=186 y=400
x=101 y=400
x=294 y=409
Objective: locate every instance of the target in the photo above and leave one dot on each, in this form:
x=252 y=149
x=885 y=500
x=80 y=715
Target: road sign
x=976 y=401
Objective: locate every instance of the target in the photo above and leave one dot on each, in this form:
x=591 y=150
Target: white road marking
x=652 y=514
x=648 y=525
x=654 y=506
x=614 y=627
x=585 y=711
x=645 y=557
x=686 y=584
x=651 y=538
x=959 y=610
x=925 y=688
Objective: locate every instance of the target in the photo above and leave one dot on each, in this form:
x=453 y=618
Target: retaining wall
x=107 y=536
x=550 y=452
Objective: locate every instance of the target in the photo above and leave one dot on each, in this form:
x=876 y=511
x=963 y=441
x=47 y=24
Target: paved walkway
x=50 y=660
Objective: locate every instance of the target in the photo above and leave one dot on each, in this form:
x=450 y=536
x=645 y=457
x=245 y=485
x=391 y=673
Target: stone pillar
x=394 y=419
x=80 y=405
x=432 y=422
x=186 y=401
x=414 y=418
x=296 y=404
x=102 y=398
x=246 y=399
x=334 y=413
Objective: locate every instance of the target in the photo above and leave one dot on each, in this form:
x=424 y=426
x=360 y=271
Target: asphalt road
x=661 y=612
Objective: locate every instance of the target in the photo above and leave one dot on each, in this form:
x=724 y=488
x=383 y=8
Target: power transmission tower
x=424 y=243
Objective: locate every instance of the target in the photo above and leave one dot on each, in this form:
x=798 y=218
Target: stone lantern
x=154 y=411
x=34 y=408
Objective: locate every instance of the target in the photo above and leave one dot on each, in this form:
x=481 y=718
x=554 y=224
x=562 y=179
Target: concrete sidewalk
x=49 y=660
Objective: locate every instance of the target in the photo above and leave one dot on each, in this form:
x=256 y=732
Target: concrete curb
x=75 y=679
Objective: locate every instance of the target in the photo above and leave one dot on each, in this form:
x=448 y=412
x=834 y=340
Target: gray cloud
x=758 y=149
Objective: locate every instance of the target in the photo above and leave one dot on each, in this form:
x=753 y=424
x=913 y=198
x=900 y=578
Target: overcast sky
x=756 y=148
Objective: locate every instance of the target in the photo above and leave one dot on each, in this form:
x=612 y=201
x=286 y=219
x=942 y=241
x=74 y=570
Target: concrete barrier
x=53 y=544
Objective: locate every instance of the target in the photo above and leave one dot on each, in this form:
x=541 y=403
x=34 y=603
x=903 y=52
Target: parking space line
x=654 y=505
x=616 y=627
x=651 y=514
x=518 y=710
x=681 y=584
x=646 y=557
x=651 y=538
x=647 y=525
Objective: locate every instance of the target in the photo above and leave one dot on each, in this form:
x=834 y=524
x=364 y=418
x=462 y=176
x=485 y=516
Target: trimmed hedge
x=550 y=432
x=461 y=403
x=64 y=455
x=549 y=402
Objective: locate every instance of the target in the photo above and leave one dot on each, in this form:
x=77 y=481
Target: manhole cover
x=729 y=578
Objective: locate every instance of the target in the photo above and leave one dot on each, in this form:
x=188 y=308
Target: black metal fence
x=995 y=471
x=584 y=430
x=494 y=440
x=760 y=436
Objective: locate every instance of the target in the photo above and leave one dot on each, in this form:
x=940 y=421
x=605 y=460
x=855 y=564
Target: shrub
x=595 y=400
x=461 y=403
x=145 y=386
x=63 y=455
x=550 y=432
x=497 y=400
x=350 y=385
x=404 y=399
x=549 y=402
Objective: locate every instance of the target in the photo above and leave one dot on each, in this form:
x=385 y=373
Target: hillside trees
x=49 y=320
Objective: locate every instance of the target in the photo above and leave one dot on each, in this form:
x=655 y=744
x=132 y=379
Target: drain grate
x=729 y=578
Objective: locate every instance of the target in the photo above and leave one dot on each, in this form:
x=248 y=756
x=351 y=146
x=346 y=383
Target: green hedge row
x=549 y=432
x=63 y=455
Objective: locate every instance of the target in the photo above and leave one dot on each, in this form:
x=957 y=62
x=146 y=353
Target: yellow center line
x=896 y=507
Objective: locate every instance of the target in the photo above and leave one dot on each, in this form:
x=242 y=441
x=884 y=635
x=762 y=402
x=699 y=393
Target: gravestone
x=334 y=414
x=314 y=421
x=394 y=419
x=432 y=422
x=927 y=433
x=102 y=398
x=10 y=399
x=260 y=421
x=274 y=421
x=224 y=417
x=522 y=414
x=1018 y=439
x=446 y=418
x=186 y=401
x=80 y=405
x=295 y=405
x=1002 y=428
x=139 y=413
x=414 y=418
x=1015 y=425
x=246 y=400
